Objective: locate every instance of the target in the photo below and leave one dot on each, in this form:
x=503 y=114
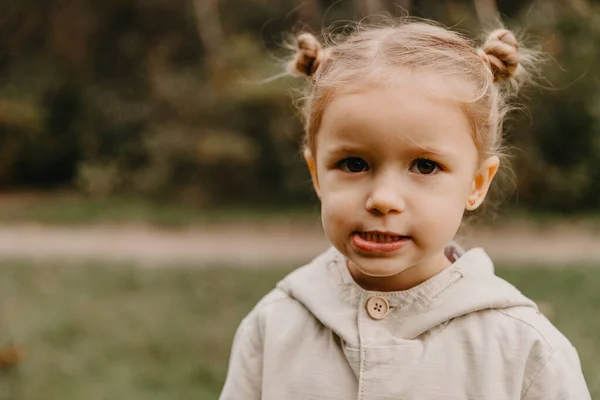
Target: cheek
x=338 y=201
x=442 y=209
x=335 y=208
x=333 y=222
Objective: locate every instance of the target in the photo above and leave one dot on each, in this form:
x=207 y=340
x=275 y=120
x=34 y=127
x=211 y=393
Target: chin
x=379 y=268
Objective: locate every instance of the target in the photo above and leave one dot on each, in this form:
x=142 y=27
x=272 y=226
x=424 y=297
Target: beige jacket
x=463 y=334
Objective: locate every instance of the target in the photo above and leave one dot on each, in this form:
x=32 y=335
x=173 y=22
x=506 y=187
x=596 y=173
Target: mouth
x=379 y=242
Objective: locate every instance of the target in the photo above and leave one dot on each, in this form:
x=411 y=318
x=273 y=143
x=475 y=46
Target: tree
x=487 y=11
x=309 y=13
x=370 y=8
x=209 y=27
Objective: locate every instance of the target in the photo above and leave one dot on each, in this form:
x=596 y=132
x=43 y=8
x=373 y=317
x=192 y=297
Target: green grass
x=73 y=209
x=121 y=332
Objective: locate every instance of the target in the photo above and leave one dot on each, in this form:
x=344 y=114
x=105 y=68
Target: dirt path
x=271 y=245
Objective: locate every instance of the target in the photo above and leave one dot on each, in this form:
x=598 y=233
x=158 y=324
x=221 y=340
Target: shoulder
x=525 y=341
x=522 y=327
x=272 y=311
x=301 y=279
x=553 y=368
x=524 y=333
x=283 y=299
x=274 y=302
x=502 y=307
x=536 y=327
x=289 y=301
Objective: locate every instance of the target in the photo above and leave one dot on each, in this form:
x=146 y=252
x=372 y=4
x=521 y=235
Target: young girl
x=403 y=134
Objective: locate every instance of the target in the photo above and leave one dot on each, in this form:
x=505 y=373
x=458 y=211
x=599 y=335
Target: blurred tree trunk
x=309 y=13
x=70 y=28
x=370 y=8
x=450 y=9
x=487 y=12
x=209 y=26
x=399 y=8
x=580 y=6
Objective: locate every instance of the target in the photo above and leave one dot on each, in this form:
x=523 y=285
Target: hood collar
x=326 y=288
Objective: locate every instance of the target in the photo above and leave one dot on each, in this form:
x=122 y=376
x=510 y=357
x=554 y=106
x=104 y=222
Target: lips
x=379 y=242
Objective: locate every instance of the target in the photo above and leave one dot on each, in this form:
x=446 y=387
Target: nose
x=386 y=196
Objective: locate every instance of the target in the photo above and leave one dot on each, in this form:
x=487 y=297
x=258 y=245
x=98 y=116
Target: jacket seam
x=539 y=372
x=251 y=318
x=266 y=304
x=552 y=349
x=361 y=374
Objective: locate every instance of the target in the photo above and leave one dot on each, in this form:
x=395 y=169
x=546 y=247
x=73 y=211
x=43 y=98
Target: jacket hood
x=327 y=290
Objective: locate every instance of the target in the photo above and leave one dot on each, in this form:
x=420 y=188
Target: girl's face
x=395 y=169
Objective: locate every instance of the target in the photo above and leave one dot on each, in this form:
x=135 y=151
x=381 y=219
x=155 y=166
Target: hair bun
x=309 y=55
x=501 y=52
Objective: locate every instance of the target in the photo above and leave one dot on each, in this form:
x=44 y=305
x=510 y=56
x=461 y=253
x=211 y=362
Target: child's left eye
x=424 y=166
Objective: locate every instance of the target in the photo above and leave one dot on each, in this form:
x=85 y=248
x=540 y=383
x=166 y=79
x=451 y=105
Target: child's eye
x=353 y=164
x=424 y=166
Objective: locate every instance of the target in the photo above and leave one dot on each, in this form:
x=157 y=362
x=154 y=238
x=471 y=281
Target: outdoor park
x=153 y=188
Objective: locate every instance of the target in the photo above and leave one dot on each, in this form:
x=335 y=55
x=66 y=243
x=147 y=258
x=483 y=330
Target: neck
x=404 y=280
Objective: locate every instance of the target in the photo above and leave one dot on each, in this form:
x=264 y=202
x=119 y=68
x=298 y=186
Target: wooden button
x=377 y=307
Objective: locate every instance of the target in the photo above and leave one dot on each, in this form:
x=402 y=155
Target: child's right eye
x=353 y=164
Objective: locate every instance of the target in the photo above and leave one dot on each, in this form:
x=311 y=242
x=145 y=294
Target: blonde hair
x=375 y=55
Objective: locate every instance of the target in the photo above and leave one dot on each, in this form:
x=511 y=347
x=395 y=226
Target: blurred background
x=152 y=188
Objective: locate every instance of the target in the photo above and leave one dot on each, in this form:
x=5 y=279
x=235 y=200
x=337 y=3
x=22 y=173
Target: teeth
x=377 y=237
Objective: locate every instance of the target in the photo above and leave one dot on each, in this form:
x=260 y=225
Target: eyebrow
x=412 y=150
x=345 y=150
x=430 y=150
x=413 y=147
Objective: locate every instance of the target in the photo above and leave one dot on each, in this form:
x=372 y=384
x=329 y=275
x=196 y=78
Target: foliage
x=167 y=98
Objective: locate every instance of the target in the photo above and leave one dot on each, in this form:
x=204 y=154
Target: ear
x=312 y=167
x=482 y=181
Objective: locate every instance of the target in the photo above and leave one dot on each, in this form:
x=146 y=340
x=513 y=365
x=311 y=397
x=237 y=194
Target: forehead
x=407 y=116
